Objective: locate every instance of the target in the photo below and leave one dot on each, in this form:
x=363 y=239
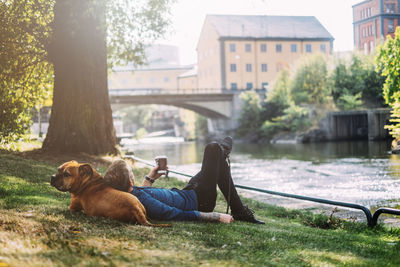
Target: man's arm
x=153 y=175
x=215 y=217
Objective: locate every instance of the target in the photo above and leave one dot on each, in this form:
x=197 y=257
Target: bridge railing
x=163 y=91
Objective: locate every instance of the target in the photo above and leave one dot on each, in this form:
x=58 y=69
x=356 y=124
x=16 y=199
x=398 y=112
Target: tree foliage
x=356 y=83
x=302 y=95
x=309 y=85
x=249 y=119
x=388 y=62
x=25 y=75
x=132 y=25
x=293 y=100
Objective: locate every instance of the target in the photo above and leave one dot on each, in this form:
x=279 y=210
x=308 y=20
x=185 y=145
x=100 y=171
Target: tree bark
x=81 y=116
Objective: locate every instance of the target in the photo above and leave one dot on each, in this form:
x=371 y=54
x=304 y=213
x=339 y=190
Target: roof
x=192 y=72
x=361 y=3
x=285 y=27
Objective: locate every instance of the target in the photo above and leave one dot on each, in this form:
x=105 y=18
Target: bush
x=349 y=102
x=201 y=126
x=249 y=120
x=356 y=77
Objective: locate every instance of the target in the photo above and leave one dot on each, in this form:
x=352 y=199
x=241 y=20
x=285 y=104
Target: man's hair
x=117 y=175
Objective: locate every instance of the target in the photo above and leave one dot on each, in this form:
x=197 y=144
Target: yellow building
x=165 y=78
x=161 y=71
x=188 y=80
x=248 y=52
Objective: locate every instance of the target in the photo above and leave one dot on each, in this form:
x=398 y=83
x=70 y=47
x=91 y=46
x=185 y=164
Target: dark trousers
x=214 y=171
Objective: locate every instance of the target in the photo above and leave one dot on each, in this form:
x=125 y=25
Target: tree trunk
x=81 y=117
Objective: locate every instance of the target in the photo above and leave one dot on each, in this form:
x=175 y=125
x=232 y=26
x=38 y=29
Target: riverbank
x=37 y=229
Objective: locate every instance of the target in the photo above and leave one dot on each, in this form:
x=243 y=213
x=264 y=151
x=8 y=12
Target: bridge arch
x=213 y=106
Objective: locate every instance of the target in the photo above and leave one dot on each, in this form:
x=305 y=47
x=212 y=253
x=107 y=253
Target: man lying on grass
x=194 y=202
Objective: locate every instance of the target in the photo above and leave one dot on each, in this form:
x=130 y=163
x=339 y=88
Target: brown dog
x=91 y=194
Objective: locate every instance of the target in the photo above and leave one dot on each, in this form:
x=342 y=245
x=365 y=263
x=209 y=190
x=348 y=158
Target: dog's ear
x=85 y=170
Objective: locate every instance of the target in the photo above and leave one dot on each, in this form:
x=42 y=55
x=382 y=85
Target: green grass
x=37 y=229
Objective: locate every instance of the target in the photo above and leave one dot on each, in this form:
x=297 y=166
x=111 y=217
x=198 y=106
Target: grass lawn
x=37 y=229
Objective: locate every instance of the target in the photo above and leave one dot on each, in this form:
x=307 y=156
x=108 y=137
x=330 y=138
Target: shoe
x=226 y=145
x=246 y=215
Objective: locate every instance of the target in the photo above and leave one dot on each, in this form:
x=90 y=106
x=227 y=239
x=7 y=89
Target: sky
x=188 y=17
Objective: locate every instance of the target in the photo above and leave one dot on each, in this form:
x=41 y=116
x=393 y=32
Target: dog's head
x=71 y=175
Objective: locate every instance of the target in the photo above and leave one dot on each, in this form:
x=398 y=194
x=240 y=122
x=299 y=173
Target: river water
x=361 y=172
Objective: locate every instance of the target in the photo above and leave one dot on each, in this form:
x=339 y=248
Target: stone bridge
x=221 y=106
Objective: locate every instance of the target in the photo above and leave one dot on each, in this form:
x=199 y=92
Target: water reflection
x=359 y=172
x=317 y=152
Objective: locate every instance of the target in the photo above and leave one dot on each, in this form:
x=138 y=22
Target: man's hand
x=153 y=174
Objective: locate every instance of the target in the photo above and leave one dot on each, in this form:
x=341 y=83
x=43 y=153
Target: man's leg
x=227 y=187
x=216 y=170
x=205 y=182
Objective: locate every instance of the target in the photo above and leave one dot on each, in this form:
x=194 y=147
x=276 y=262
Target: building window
x=278 y=48
x=323 y=48
x=248 y=67
x=366 y=48
x=233 y=67
x=264 y=85
x=264 y=67
x=152 y=80
x=249 y=86
x=390 y=8
x=263 y=48
x=234 y=86
x=371 y=45
x=232 y=48
x=123 y=81
x=248 y=47
x=390 y=25
x=166 y=79
x=308 y=48
x=293 y=48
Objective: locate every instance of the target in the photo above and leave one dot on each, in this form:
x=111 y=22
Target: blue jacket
x=168 y=204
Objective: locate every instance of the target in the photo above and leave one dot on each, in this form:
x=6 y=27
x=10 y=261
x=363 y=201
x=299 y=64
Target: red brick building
x=373 y=20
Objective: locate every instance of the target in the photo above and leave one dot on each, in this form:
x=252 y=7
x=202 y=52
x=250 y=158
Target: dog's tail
x=141 y=218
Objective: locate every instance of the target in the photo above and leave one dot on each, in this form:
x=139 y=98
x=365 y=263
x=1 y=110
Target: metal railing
x=372 y=219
